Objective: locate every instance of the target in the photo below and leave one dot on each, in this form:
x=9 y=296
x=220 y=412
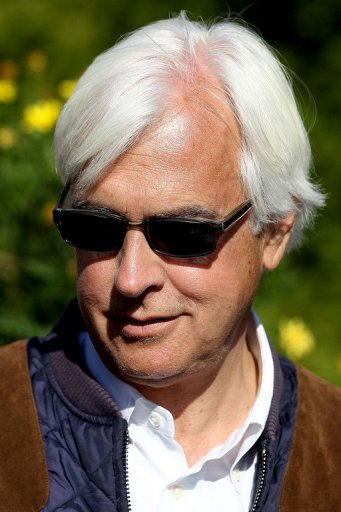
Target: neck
x=209 y=408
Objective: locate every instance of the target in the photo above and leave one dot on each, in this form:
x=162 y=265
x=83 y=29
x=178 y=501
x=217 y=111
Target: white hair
x=127 y=90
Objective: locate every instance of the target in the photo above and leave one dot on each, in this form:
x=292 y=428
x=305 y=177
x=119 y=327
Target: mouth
x=146 y=327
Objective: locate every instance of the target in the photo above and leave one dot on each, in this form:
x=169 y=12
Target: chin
x=147 y=370
x=147 y=375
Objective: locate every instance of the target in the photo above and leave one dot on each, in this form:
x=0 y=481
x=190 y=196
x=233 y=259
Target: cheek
x=208 y=291
x=95 y=276
x=228 y=283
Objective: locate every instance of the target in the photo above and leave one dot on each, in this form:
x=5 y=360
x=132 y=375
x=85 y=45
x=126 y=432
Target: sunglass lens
x=92 y=232
x=180 y=238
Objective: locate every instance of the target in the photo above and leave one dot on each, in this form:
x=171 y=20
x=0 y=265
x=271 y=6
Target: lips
x=146 y=321
x=133 y=327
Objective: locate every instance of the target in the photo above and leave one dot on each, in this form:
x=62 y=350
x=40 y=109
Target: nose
x=138 y=268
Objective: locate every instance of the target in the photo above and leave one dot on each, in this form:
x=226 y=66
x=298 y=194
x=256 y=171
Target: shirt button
x=154 y=420
x=177 y=491
x=236 y=475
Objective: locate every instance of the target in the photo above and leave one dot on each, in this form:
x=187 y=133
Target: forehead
x=191 y=157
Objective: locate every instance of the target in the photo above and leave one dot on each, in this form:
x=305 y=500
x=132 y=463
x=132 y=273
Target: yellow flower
x=65 y=88
x=41 y=116
x=296 y=338
x=8 y=69
x=8 y=137
x=8 y=90
x=35 y=61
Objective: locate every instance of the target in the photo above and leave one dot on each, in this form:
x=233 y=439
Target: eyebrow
x=194 y=211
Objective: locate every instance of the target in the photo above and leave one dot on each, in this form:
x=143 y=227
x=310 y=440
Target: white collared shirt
x=159 y=477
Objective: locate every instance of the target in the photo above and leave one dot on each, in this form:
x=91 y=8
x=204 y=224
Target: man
x=185 y=170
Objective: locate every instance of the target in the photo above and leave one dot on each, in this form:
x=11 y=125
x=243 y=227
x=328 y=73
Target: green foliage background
x=36 y=269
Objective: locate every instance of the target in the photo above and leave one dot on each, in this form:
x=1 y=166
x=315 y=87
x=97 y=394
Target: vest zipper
x=260 y=477
x=125 y=467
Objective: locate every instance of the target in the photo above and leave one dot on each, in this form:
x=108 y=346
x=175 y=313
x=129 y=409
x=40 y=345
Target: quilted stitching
x=79 y=452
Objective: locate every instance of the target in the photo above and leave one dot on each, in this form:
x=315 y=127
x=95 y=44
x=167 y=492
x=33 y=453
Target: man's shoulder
x=20 y=441
x=13 y=359
x=12 y=347
x=317 y=394
x=318 y=415
x=314 y=464
x=16 y=360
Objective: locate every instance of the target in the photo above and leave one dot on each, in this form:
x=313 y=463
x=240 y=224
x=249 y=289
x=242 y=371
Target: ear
x=276 y=238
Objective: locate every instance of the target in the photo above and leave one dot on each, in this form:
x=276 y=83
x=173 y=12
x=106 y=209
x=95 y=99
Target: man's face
x=157 y=320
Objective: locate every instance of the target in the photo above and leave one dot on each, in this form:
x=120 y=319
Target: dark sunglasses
x=98 y=231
